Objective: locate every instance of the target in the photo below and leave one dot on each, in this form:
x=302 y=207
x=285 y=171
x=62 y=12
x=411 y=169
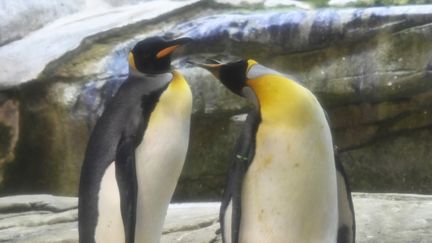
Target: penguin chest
x=289 y=191
x=159 y=160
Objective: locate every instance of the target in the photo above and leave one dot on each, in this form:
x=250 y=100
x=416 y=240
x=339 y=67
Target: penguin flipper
x=244 y=151
x=128 y=186
x=346 y=227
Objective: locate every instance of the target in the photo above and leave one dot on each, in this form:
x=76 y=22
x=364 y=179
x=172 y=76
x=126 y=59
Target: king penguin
x=136 y=150
x=284 y=185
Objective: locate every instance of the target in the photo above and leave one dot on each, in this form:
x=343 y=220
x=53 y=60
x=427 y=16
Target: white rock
x=381 y=218
x=341 y=2
x=25 y=59
x=23 y=203
x=393 y=218
x=19 y=17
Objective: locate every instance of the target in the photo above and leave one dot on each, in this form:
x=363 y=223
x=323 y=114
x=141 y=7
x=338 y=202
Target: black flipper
x=97 y=160
x=128 y=186
x=114 y=138
x=346 y=227
x=125 y=161
x=243 y=155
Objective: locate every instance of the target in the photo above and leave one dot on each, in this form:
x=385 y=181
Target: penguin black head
x=153 y=55
x=232 y=75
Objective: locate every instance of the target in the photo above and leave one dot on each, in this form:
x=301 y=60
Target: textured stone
x=18 y=18
x=37 y=202
x=48 y=158
x=380 y=218
x=38 y=218
x=9 y=129
x=70 y=32
x=397 y=163
x=370 y=68
x=344 y=56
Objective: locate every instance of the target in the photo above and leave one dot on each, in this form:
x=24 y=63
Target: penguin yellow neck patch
x=131 y=60
x=284 y=101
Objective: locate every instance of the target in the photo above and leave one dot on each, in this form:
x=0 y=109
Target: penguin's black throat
x=232 y=75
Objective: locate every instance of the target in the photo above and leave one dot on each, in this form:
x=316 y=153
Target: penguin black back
x=276 y=143
x=108 y=183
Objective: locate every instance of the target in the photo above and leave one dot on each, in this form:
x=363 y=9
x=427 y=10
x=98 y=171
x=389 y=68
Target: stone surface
x=9 y=131
x=49 y=157
x=38 y=218
x=344 y=56
x=361 y=65
x=70 y=32
x=18 y=18
x=380 y=218
x=370 y=68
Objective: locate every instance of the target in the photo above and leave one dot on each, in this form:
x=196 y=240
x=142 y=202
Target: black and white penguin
x=136 y=150
x=283 y=185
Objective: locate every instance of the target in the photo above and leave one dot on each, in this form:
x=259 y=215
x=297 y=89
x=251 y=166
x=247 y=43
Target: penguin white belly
x=109 y=227
x=159 y=161
x=289 y=192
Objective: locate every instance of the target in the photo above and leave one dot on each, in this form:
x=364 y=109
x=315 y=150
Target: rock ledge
x=381 y=217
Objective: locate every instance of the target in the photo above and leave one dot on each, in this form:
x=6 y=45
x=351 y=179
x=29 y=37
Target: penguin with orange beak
x=284 y=185
x=136 y=150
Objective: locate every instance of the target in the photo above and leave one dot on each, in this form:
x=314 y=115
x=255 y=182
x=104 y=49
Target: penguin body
x=282 y=184
x=136 y=151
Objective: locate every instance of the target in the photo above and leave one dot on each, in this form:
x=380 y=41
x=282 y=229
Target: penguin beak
x=210 y=65
x=172 y=45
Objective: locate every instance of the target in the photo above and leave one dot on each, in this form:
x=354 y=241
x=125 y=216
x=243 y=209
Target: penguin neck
x=135 y=74
x=283 y=101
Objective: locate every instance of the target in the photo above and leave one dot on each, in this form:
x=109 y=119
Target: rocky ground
x=381 y=218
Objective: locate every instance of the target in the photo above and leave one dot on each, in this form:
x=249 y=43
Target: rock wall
x=371 y=69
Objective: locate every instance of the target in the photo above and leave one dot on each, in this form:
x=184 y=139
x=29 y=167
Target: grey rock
x=381 y=218
x=38 y=218
x=20 y=17
x=70 y=32
x=9 y=129
x=64 y=102
x=369 y=67
x=348 y=54
x=402 y=161
x=37 y=202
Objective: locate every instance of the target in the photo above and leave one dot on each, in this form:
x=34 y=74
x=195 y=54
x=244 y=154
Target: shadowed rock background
x=370 y=67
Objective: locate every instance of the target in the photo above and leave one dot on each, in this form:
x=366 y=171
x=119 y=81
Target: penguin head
x=232 y=75
x=153 y=55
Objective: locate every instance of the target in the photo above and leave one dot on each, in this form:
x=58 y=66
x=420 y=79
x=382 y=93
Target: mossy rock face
x=51 y=146
x=399 y=163
x=370 y=68
x=9 y=118
x=5 y=139
x=344 y=56
x=212 y=140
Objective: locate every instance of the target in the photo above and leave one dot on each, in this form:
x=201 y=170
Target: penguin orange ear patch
x=131 y=60
x=165 y=52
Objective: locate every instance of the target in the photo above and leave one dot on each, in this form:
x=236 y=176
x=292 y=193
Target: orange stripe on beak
x=165 y=52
